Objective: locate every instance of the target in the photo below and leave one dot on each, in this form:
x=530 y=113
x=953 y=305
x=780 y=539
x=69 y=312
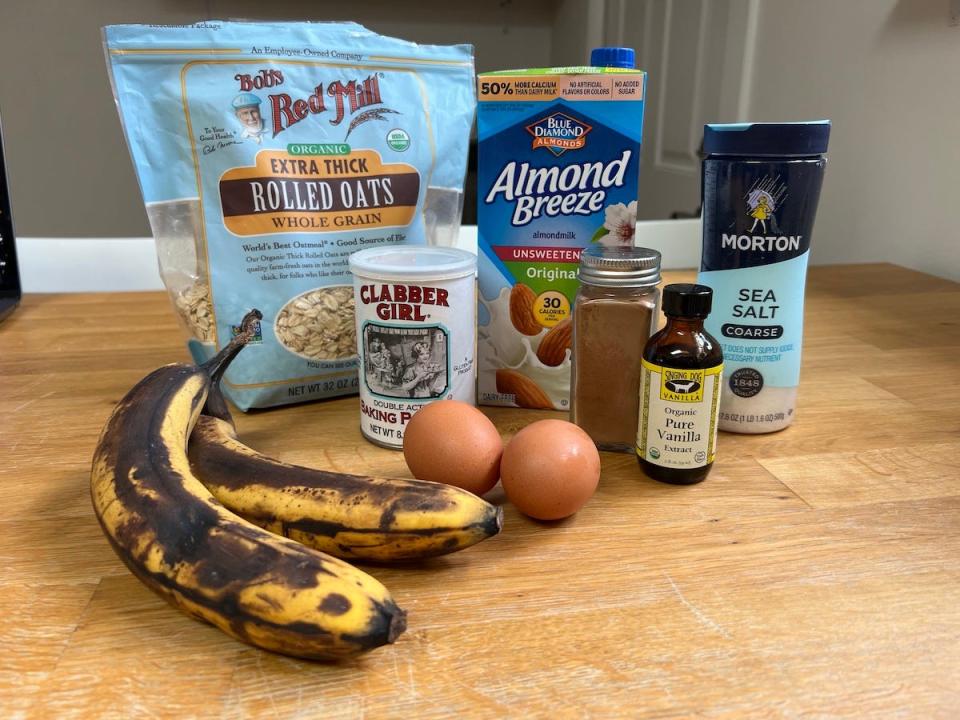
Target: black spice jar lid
x=687 y=300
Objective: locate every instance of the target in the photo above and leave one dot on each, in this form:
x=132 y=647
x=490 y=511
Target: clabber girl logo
x=765 y=196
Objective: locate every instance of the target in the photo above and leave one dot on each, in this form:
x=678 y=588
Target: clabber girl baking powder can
x=416 y=332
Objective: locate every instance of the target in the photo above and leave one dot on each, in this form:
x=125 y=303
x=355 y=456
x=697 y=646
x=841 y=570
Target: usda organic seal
x=398 y=140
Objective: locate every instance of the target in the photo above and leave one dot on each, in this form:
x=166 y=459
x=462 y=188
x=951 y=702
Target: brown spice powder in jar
x=615 y=313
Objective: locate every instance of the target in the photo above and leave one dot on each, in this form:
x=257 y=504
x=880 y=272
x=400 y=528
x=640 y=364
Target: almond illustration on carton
x=553 y=348
x=521 y=310
x=525 y=391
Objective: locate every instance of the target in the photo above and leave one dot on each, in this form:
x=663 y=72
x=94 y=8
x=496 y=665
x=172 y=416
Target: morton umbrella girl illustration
x=761 y=209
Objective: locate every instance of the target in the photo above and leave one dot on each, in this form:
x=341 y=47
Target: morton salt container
x=761 y=184
x=416 y=333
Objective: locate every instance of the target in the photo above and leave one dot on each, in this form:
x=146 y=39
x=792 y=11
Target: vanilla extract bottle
x=681 y=377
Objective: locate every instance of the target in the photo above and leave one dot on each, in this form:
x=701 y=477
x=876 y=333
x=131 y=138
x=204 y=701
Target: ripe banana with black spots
x=175 y=537
x=350 y=516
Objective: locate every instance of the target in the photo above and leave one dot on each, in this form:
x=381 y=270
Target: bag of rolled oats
x=267 y=153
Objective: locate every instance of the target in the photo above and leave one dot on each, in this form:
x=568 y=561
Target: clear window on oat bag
x=267 y=153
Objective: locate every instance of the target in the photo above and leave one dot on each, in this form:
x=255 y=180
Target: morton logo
x=765 y=197
x=558 y=133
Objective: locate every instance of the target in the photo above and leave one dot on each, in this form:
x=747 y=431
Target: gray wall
x=70 y=172
x=885 y=72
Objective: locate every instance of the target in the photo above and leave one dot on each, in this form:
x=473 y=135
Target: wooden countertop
x=816 y=572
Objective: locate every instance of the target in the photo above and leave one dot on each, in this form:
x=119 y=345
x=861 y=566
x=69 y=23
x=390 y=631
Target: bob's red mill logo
x=333 y=188
x=344 y=97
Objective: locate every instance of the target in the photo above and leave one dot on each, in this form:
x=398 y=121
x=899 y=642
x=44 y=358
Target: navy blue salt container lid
x=617 y=57
x=796 y=139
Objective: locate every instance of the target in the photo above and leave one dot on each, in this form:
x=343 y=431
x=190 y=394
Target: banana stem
x=216 y=366
x=216 y=405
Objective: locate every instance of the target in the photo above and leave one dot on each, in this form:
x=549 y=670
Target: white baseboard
x=49 y=265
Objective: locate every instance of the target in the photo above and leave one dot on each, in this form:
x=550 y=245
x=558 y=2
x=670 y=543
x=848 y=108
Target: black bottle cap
x=687 y=300
x=794 y=139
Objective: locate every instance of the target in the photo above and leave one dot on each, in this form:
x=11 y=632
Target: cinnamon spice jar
x=615 y=312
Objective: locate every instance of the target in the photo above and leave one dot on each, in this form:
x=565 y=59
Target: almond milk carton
x=559 y=161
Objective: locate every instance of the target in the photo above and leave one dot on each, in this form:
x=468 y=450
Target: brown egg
x=451 y=442
x=550 y=469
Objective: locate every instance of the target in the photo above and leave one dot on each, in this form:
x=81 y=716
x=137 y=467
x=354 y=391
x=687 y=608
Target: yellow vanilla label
x=677 y=427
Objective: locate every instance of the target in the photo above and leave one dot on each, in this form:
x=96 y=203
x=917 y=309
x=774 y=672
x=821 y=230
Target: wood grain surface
x=815 y=573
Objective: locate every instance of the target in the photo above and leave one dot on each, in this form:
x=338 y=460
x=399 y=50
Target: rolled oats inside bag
x=267 y=153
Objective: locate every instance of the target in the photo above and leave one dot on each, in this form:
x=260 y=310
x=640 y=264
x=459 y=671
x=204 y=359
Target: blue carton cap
x=767 y=139
x=618 y=57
